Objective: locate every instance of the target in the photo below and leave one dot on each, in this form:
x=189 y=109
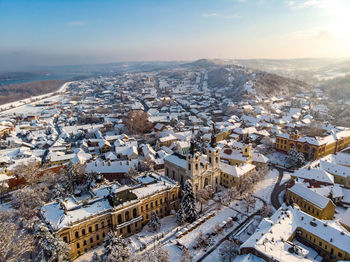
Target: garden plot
x=209 y=229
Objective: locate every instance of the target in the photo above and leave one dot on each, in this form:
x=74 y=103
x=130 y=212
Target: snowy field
x=25 y=105
x=265 y=187
x=278 y=158
x=286 y=177
x=31 y=108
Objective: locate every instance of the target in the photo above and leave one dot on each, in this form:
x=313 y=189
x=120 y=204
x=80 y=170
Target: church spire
x=213 y=137
x=193 y=148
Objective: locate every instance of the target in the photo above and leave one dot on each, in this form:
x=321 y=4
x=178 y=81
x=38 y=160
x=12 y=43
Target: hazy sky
x=72 y=32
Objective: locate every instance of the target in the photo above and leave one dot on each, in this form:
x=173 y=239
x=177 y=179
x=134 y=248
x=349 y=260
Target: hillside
x=241 y=81
x=15 y=92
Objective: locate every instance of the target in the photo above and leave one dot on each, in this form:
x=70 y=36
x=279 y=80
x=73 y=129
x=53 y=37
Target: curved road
x=277 y=189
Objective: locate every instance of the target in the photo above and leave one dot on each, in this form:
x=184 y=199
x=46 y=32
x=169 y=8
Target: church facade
x=203 y=170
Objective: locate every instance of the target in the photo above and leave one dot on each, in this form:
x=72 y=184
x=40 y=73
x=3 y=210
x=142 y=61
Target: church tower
x=193 y=160
x=247 y=152
x=213 y=151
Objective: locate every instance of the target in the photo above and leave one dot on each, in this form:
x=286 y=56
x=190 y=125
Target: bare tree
x=202 y=197
x=201 y=240
x=155 y=254
x=3 y=190
x=228 y=251
x=15 y=243
x=27 y=201
x=186 y=255
x=248 y=201
x=137 y=122
x=30 y=172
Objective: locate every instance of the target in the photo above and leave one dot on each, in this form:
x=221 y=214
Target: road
x=277 y=189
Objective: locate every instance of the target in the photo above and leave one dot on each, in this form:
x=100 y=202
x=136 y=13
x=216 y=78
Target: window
x=189 y=166
x=65 y=239
x=96 y=227
x=121 y=231
x=78 y=245
x=141 y=208
x=83 y=232
x=103 y=224
x=196 y=166
x=209 y=160
x=173 y=174
x=120 y=220
x=76 y=234
x=161 y=201
x=167 y=171
x=84 y=242
x=129 y=229
x=320 y=244
x=156 y=203
x=134 y=212
x=151 y=204
x=173 y=197
x=340 y=254
x=127 y=216
x=97 y=237
x=91 y=240
x=146 y=206
x=90 y=229
x=103 y=234
x=217 y=160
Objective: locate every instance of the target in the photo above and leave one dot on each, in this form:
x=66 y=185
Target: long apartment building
x=84 y=220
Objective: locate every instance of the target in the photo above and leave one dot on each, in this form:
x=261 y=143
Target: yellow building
x=234 y=176
x=84 y=220
x=340 y=173
x=310 y=202
x=234 y=157
x=279 y=237
x=313 y=147
x=57 y=160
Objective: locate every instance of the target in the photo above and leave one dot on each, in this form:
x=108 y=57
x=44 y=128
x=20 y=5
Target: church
x=203 y=170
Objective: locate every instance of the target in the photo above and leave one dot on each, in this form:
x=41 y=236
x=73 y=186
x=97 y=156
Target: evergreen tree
x=180 y=216
x=154 y=222
x=115 y=249
x=50 y=248
x=189 y=202
x=96 y=258
x=295 y=159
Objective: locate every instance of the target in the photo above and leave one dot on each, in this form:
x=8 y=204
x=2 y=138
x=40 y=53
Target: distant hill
x=241 y=81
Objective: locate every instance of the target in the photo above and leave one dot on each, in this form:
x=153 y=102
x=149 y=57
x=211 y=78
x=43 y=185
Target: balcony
x=129 y=222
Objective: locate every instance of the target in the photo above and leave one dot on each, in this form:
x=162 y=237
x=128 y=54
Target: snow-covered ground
x=286 y=177
x=278 y=159
x=25 y=105
x=265 y=187
x=88 y=255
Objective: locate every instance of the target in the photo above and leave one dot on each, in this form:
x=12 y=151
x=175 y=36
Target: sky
x=63 y=32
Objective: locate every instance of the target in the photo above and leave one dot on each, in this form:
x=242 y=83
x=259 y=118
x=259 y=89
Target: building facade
x=313 y=147
x=203 y=171
x=84 y=223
